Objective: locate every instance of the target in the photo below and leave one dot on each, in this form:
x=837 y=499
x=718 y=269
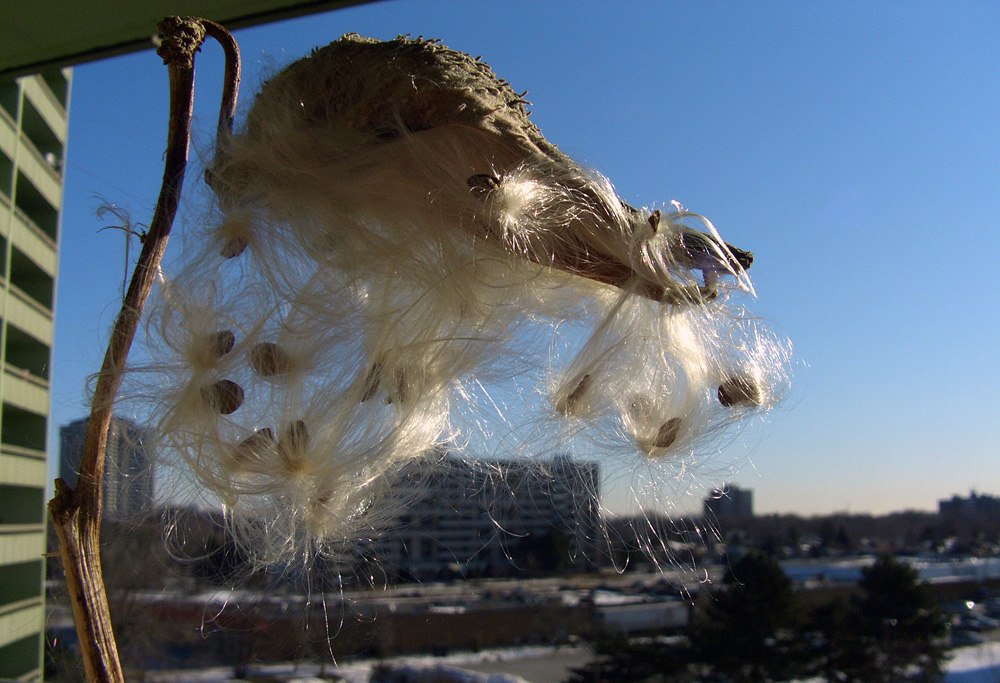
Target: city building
x=33 y=126
x=729 y=502
x=974 y=505
x=128 y=470
x=493 y=517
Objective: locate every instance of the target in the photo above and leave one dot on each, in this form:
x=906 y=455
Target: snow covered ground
x=360 y=671
x=976 y=664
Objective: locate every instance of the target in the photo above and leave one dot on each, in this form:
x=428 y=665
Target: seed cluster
x=391 y=238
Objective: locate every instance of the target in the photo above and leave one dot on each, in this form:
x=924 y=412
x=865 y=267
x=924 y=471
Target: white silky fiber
x=390 y=240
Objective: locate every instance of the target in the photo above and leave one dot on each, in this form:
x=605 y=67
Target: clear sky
x=854 y=147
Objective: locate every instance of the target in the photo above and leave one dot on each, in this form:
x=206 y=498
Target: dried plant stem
x=231 y=86
x=76 y=513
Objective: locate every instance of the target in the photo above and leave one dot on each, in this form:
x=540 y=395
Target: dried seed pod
x=668 y=433
x=220 y=343
x=493 y=256
x=568 y=406
x=224 y=397
x=268 y=359
x=376 y=89
x=740 y=391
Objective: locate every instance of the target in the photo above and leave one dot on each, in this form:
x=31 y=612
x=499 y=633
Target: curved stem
x=76 y=514
x=230 y=88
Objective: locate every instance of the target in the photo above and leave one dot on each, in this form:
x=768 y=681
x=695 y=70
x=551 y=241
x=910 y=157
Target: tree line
x=755 y=628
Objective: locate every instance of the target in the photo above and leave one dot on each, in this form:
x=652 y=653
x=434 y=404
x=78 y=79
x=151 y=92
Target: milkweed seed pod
x=390 y=227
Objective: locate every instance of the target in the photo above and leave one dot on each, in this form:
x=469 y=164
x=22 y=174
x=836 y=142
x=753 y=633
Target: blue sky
x=852 y=146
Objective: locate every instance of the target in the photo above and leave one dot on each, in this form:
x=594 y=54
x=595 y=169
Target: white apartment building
x=476 y=517
x=33 y=126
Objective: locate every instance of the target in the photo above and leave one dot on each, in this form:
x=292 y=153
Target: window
x=21 y=581
x=22 y=428
x=21 y=505
x=57 y=84
x=6 y=175
x=26 y=353
x=36 y=207
x=20 y=657
x=30 y=279
x=41 y=136
x=9 y=95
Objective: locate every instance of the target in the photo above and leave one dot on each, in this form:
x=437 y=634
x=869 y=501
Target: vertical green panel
x=21 y=505
x=21 y=581
x=22 y=428
x=20 y=657
x=9 y=94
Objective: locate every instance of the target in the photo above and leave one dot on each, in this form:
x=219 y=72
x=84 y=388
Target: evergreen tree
x=902 y=624
x=835 y=648
x=894 y=631
x=748 y=628
x=636 y=661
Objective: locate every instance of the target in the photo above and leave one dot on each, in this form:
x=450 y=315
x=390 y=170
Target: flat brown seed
x=401 y=381
x=372 y=381
x=233 y=247
x=295 y=438
x=220 y=343
x=579 y=391
x=225 y=396
x=740 y=391
x=268 y=359
x=567 y=406
x=483 y=184
x=668 y=433
x=654 y=220
x=254 y=445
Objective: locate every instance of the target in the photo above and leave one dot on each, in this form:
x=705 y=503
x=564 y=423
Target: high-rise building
x=729 y=502
x=33 y=125
x=128 y=471
x=975 y=505
x=479 y=517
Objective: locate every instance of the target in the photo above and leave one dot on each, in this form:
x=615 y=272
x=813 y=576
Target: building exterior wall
x=974 y=505
x=470 y=517
x=128 y=471
x=33 y=126
x=729 y=502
